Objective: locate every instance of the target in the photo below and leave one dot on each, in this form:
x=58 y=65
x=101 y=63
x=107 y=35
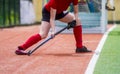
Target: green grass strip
x=109 y=60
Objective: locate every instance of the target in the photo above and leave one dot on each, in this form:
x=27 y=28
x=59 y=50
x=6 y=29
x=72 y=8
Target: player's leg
x=77 y=30
x=44 y=29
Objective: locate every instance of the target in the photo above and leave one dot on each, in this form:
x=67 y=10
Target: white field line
x=92 y=63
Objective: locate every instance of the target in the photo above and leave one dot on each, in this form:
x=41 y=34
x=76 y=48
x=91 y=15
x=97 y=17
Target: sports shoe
x=20 y=51
x=82 y=50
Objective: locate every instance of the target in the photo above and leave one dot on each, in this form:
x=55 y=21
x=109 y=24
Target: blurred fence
x=9 y=13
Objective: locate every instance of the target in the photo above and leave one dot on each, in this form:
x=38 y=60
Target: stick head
x=29 y=53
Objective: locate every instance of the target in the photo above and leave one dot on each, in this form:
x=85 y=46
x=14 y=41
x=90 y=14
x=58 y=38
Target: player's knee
x=43 y=36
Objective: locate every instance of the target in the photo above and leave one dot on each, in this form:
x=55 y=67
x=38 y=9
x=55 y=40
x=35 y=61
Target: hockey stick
x=70 y=25
x=31 y=51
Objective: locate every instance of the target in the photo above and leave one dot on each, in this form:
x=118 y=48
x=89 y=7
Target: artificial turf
x=109 y=60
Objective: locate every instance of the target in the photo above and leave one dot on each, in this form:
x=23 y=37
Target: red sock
x=78 y=36
x=32 y=40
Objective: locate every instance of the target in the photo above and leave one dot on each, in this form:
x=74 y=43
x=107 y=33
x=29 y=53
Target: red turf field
x=55 y=57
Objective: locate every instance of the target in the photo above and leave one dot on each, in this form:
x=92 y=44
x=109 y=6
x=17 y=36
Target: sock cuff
x=38 y=36
x=78 y=26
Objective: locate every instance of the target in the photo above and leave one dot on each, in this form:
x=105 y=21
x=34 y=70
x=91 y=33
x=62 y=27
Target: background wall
x=38 y=9
x=39 y=3
x=117 y=12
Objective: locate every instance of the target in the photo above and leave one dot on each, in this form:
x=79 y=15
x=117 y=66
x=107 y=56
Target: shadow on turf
x=66 y=54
